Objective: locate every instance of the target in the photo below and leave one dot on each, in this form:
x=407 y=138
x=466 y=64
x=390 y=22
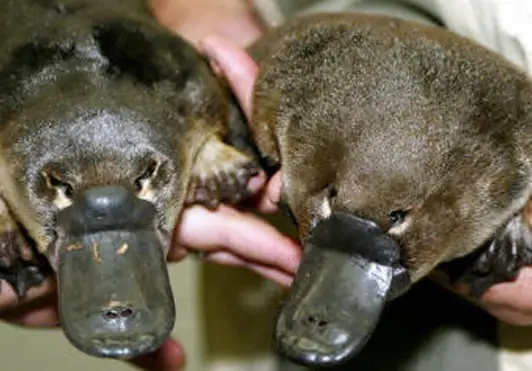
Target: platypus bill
x=402 y=147
x=109 y=125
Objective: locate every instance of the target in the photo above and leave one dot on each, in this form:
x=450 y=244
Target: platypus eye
x=55 y=182
x=149 y=172
x=397 y=216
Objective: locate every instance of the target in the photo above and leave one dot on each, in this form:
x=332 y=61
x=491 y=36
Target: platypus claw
x=221 y=175
x=498 y=261
x=21 y=273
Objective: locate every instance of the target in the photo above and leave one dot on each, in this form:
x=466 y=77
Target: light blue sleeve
x=501 y=25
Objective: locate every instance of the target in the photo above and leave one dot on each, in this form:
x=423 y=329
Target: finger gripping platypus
x=109 y=125
x=402 y=147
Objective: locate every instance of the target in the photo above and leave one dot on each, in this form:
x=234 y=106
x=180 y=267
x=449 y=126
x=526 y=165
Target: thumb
x=169 y=357
x=238 y=68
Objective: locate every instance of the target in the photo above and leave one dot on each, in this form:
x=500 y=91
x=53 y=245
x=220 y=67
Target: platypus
x=403 y=147
x=109 y=125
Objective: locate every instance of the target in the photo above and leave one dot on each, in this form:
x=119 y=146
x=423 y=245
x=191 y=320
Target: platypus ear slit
x=220 y=174
x=499 y=260
x=332 y=192
x=397 y=216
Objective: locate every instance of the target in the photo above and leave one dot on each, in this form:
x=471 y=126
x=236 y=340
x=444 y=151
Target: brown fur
x=370 y=114
x=97 y=93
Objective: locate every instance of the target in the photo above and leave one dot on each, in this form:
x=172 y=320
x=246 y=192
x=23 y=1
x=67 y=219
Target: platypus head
x=379 y=204
x=98 y=190
x=98 y=139
x=402 y=147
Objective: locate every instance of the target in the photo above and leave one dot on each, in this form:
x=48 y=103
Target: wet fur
x=372 y=114
x=95 y=93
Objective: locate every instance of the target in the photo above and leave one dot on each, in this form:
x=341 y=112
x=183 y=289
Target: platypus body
x=109 y=125
x=402 y=147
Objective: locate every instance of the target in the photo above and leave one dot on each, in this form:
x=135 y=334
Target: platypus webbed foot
x=22 y=274
x=220 y=175
x=20 y=266
x=498 y=261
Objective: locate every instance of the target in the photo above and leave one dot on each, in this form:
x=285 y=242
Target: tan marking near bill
x=96 y=252
x=325 y=208
x=147 y=192
x=61 y=201
x=122 y=250
x=74 y=247
x=399 y=229
x=115 y=303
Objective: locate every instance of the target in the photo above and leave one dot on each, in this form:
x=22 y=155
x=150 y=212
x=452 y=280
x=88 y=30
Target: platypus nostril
x=316 y=321
x=126 y=312
x=109 y=314
x=117 y=312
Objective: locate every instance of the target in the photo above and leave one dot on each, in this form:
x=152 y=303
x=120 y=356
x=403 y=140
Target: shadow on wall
x=240 y=310
x=239 y=316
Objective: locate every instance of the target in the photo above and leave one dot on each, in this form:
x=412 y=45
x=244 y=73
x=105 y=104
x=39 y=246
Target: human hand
x=510 y=302
x=195 y=19
x=237 y=236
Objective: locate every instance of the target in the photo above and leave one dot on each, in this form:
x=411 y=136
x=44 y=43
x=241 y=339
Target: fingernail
x=275 y=191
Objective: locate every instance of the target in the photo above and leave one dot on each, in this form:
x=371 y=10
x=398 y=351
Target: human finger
x=240 y=232
x=239 y=69
x=227 y=258
x=269 y=199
